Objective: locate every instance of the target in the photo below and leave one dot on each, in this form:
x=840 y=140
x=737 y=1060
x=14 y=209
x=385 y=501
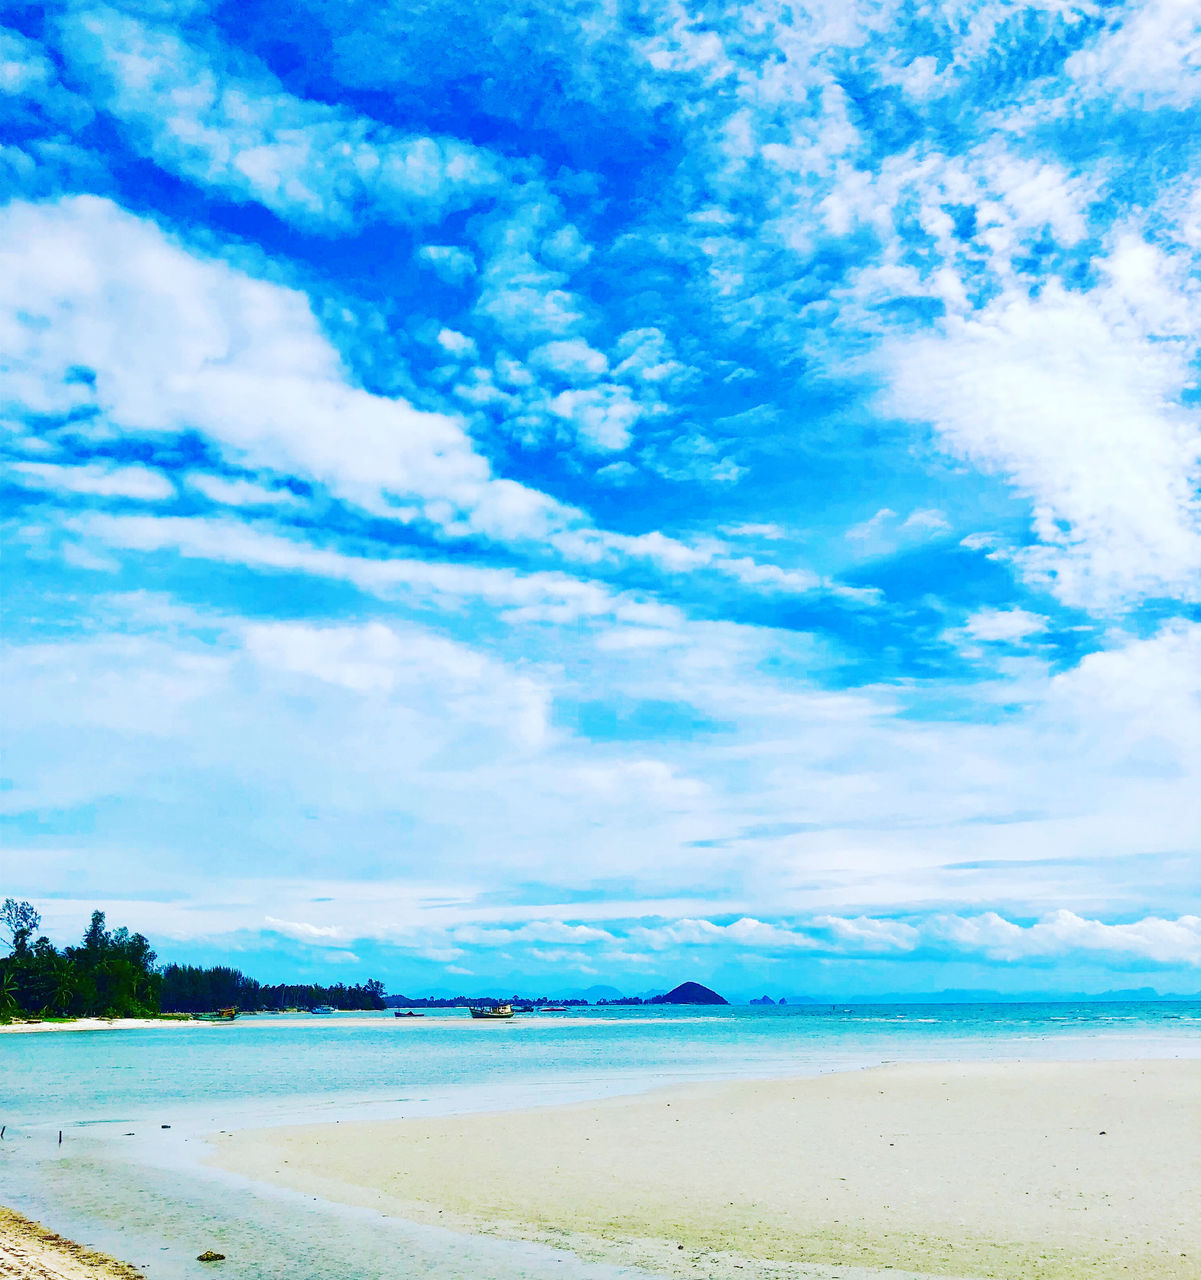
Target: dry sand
x=29 y=1252
x=1014 y=1170
x=96 y=1024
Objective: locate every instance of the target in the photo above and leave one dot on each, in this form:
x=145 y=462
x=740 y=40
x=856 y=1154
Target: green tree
x=8 y=990
x=96 y=939
x=19 y=921
x=66 y=984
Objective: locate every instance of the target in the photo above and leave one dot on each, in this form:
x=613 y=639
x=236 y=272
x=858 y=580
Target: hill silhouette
x=689 y=993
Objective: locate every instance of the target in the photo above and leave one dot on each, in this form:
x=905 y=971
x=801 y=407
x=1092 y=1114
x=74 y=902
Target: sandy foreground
x=94 y=1024
x=1014 y=1170
x=29 y=1252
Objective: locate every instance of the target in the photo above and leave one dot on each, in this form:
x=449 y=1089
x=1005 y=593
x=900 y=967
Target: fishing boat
x=323 y=1008
x=491 y=1010
x=554 y=1008
x=407 y=1013
x=227 y=1014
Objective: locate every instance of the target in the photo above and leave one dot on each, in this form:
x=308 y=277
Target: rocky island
x=689 y=993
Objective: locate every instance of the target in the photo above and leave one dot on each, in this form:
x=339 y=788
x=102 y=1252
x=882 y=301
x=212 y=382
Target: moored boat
x=227 y=1014
x=491 y=1010
x=323 y=1008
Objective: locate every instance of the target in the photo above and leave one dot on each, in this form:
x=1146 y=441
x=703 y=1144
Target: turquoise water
x=124 y=1182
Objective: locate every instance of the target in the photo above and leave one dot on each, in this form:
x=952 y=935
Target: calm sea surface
x=122 y=1180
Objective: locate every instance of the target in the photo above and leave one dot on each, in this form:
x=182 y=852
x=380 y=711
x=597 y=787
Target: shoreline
x=97 y=1024
x=30 y=1251
x=1060 y=1170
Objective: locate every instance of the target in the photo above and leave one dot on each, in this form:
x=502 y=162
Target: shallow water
x=124 y=1182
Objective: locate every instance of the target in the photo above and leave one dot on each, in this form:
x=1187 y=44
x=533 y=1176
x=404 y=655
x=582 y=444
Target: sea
x=104 y=1132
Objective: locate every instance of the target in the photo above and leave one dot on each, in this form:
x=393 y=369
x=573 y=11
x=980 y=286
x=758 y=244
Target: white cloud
x=1003 y=624
x=450 y=263
x=926 y=521
x=572 y=358
x=769 y=576
x=409 y=663
x=1064 y=933
x=302 y=931
x=236 y=128
x=869 y=530
x=24 y=67
x=1151 y=56
x=237 y=492
x=526 y=300
x=1148 y=689
x=866 y=934
x=98 y=480
x=1075 y=399
x=176 y=343
x=883 y=527
x=548 y=595
x=635 y=783
x=771 y=532
x=602 y=416
x=457 y=344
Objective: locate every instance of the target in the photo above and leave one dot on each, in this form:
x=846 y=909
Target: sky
x=550 y=494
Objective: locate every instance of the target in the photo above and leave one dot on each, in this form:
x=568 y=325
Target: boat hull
x=492 y=1014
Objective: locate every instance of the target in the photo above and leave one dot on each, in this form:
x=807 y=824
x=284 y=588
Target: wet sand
x=1003 y=1170
x=28 y=1251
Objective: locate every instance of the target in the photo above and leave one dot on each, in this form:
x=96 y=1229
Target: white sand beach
x=1060 y=1170
x=28 y=1251
x=95 y=1024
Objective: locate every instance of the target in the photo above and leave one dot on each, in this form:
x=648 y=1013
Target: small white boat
x=323 y=1008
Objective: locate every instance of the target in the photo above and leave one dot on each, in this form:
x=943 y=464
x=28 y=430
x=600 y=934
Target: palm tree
x=66 y=980
x=8 y=991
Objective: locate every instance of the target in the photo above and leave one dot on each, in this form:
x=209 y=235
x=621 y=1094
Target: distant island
x=689 y=993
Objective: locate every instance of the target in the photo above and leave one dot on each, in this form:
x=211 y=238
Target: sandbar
x=98 y=1024
x=28 y=1251
x=1030 y=1170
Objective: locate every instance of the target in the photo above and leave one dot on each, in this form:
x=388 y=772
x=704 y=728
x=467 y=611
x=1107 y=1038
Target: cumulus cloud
x=173 y=342
x=1003 y=624
x=603 y=416
x=1076 y=400
x=986 y=937
x=449 y=262
x=229 y=124
x=1150 y=56
x=671 y=298
x=572 y=358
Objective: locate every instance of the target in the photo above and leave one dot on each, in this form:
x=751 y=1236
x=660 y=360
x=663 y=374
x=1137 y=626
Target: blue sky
x=565 y=494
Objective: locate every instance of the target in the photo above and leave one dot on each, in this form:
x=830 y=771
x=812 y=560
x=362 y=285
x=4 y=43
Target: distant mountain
x=591 y=994
x=690 y=993
x=959 y=995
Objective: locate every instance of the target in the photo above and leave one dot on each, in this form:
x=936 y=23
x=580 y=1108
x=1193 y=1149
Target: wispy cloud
x=739 y=506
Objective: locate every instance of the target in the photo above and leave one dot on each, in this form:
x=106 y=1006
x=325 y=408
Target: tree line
x=115 y=974
x=188 y=988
